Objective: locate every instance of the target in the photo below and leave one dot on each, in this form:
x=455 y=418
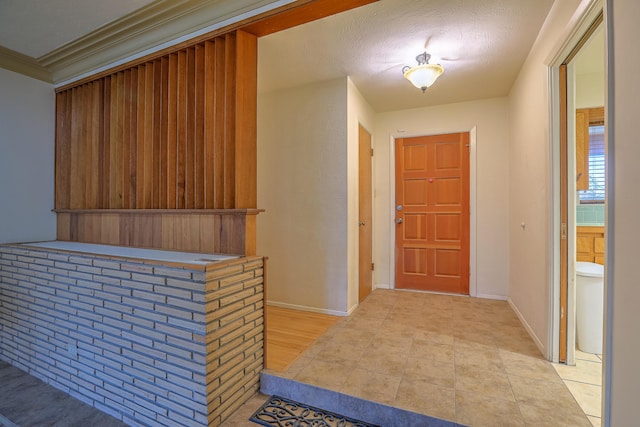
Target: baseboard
x=533 y=336
x=311 y=309
x=490 y=296
x=382 y=286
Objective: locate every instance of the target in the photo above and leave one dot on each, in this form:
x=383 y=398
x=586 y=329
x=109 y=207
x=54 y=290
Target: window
x=596 y=190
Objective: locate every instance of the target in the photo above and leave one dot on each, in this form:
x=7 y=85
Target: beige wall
x=490 y=119
x=589 y=72
x=302 y=184
x=359 y=113
x=590 y=90
x=26 y=159
x=623 y=299
x=530 y=194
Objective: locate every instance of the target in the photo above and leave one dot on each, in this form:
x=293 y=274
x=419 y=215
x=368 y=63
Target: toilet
x=589 y=306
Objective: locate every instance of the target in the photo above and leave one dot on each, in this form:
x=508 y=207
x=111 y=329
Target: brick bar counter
x=149 y=342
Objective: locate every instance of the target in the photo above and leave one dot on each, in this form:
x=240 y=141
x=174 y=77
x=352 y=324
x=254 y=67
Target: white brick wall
x=131 y=338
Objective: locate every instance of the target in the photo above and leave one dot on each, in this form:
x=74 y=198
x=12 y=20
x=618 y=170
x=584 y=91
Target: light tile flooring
x=584 y=381
x=462 y=359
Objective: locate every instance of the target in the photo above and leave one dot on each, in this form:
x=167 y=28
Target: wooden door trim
x=473 y=286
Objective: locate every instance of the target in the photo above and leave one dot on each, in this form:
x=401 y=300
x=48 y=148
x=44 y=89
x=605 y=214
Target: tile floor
x=462 y=359
x=25 y=401
x=584 y=381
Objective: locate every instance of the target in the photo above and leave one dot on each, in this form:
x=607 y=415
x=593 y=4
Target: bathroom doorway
x=579 y=160
x=582 y=173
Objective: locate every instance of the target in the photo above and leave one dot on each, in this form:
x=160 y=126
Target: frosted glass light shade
x=423 y=76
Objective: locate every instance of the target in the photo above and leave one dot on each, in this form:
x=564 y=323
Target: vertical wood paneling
x=93 y=143
x=219 y=122
x=199 y=118
x=164 y=131
x=126 y=141
x=141 y=128
x=63 y=144
x=157 y=132
x=105 y=164
x=115 y=143
x=246 y=161
x=182 y=130
x=209 y=123
x=172 y=133
x=77 y=150
x=229 y=121
x=147 y=151
x=190 y=176
x=177 y=132
x=133 y=142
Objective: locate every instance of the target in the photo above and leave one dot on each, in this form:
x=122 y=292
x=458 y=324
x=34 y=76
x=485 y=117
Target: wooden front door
x=365 y=255
x=432 y=213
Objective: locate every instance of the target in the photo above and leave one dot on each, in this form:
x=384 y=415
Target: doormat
x=278 y=411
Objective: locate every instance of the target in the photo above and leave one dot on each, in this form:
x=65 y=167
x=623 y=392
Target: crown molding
x=23 y=64
x=152 y=27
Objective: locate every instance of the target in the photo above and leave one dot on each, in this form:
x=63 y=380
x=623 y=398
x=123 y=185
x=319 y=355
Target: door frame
x=473 y=289
x=581 y=28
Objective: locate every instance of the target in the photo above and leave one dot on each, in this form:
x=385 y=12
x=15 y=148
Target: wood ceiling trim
x=287 y=16
x=301 y=13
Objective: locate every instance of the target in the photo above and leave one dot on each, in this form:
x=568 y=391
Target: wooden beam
x=300 y=13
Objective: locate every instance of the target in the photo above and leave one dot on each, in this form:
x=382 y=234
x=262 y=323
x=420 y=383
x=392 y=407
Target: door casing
x=557 y=303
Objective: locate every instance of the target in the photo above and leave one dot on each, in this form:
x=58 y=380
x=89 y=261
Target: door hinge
x=373 y=266
x=563 y=231
x=372 y=152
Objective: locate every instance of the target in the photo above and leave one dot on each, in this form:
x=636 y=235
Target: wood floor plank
x=291 y=332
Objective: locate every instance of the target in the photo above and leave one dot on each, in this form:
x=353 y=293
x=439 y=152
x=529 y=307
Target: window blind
x=596 y=190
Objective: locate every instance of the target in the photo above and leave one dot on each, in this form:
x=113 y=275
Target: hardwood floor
x=290 y=332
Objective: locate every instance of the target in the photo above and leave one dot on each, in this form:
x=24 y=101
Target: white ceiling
x=36 y=27
x=481 y=43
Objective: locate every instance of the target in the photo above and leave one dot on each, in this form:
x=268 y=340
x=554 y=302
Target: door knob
x=399 y=221
x=361 y=224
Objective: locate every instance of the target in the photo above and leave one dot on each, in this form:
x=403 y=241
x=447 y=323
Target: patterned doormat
x=278 y=411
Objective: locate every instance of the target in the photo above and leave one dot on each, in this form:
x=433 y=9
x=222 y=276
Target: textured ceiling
x=481 y=43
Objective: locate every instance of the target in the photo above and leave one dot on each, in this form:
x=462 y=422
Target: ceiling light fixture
x=424 y=74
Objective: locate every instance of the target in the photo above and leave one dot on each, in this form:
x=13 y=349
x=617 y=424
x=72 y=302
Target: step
x=349 y=406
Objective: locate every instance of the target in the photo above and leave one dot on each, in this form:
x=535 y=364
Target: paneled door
x=432 y=213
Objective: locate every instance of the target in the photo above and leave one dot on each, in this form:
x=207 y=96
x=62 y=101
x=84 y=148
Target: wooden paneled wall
x=177 y=132
x=225 y=231
x=174 y=133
